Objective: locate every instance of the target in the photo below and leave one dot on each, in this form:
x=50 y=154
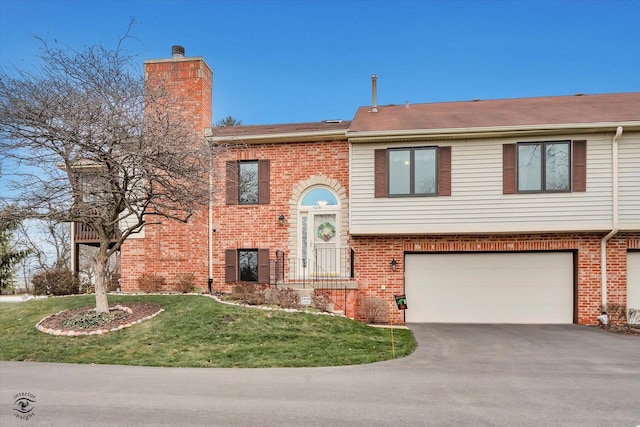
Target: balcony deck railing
x=85 y=234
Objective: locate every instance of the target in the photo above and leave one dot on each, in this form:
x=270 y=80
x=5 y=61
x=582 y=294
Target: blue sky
x=297 y=61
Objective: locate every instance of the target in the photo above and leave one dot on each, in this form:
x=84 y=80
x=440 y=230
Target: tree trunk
x=101 y=259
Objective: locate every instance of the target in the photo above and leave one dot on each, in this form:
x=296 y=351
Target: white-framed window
x=248 y=265
x=248 y=183
x=413 y=171
x=544 y=166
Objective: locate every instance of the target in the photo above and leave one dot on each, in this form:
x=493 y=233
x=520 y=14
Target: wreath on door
x=326 y=231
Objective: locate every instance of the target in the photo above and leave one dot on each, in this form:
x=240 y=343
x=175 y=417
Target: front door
x=318 y=246
x=323 y=246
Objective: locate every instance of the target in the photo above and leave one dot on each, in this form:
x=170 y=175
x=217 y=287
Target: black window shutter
x=232 y=183
x=380 y=173
x=263 y=181
x=444 y=171
x=263 y=265
x=230 y=265
x=509 y=181
x=579 y=158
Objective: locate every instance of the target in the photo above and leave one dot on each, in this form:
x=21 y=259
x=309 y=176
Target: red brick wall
x=373 y=255
x=257 y=226
x=169 y=248
x=172 y=248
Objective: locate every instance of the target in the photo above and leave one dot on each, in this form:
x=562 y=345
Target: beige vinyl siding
x=477 y=204
x=629 y=179
x=130 y=221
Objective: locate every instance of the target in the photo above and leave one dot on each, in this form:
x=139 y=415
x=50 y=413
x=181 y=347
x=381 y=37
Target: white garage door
x=633 y=283
x=489 y=287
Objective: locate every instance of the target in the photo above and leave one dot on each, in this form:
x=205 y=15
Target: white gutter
x=374 y=136
x=614 y=229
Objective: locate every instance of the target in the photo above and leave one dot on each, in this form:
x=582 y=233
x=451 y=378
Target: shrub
x=373 y=310
x=150 y=282
x=287 y=298
x=617 y=313
x=184 y=282
x=59 y=281
x=249 y=293
x=271 y=296
x=321 y=300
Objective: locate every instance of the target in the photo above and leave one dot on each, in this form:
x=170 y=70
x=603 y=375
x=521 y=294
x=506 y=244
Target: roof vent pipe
x=177 y=51
x=374 y=93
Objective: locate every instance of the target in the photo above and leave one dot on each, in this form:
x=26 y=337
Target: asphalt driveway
x=459 y=375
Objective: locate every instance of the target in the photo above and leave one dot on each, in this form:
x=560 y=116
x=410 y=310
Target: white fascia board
x=478 y=132
x=281 y=137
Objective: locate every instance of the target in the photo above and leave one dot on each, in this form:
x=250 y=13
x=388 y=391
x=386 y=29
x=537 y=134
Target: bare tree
x=99 y=147
x=49 y=243
x=87 y=268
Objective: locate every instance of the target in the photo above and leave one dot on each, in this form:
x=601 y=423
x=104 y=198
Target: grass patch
x=195 y=331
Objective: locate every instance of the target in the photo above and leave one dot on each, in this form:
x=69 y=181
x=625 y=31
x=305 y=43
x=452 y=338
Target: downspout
x=210 y=222
x=614 y=229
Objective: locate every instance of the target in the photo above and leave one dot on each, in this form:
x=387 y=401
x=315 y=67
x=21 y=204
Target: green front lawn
x=196 y=331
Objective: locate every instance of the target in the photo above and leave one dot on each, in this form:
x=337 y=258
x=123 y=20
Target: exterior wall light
x=394 y=265
x=281 y=219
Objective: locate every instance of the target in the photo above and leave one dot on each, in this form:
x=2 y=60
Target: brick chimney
x=189 y=79
x=167 y=248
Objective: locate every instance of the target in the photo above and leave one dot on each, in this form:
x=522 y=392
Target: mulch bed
x=131 y=314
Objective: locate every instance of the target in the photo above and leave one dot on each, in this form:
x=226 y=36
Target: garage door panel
x=490 y=288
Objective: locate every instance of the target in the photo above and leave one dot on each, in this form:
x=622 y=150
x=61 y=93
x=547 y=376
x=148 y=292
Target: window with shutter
x=415 y=171
x=247 y=265
x=247 y=182
x=544 y=167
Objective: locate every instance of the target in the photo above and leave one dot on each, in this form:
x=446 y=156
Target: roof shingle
x=577 y=109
